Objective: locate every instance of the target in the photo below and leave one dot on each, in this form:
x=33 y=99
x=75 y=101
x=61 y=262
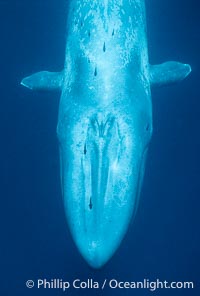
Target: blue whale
x=105 y=119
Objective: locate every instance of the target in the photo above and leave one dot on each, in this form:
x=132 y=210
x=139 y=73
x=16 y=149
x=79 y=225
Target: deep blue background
x=164 y=241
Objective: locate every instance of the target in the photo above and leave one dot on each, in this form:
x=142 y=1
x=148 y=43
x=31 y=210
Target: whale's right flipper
x=44 y=81
x=168 y=73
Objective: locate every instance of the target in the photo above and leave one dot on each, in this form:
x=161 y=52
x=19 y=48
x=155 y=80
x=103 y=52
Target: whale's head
x=102 y=166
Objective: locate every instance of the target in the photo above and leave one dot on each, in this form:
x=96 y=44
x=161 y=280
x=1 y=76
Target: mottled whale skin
x=105 y=119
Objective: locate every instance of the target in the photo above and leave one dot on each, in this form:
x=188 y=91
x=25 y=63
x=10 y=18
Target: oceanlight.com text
x=146 y=284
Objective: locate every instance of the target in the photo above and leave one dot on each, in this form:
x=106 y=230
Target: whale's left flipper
x=168 y=73
x=44 y=81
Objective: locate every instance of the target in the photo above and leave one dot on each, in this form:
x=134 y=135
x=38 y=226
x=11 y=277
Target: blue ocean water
x=164 y=240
